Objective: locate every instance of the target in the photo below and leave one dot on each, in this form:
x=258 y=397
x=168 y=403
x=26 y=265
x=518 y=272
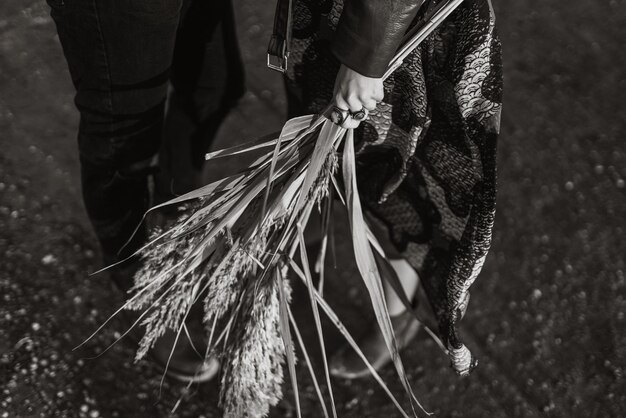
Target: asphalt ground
x=547 y=317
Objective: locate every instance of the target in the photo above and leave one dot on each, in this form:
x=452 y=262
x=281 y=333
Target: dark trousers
x=152 y=77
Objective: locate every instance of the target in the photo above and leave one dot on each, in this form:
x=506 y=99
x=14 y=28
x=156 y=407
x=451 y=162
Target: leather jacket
x=370 y=31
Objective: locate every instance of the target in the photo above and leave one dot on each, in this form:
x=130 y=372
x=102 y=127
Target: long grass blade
x=320 y=263
x=421 y=32
x=265 y=141
x=367 y=265
x=290 y=130
x=325 y=142
x=316 y=314
x=318 y=120
x=308 y=362
x=270 y=176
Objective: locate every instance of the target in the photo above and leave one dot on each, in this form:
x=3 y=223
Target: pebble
x=353 y=402
x=48 y=259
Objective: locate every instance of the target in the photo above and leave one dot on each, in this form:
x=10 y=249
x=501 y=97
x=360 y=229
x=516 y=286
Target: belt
x=279 y=45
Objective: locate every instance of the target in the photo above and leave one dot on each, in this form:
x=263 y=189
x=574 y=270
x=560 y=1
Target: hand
x=355 y=92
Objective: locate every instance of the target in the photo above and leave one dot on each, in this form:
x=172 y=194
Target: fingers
x=379 y=93
x=347 y=119
x=370 y=104
x=350 y=123
x=341 y=113
x=340 y=102
x=338 y=115
x=355 y=103
x=361 y=115
x=344 y=109
x=357 y=108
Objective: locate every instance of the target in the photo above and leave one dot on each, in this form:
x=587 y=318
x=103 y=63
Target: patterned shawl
x=427 y=156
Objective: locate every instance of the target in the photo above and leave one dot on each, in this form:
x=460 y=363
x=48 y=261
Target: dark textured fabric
x=122 y=56
x=427 y=156
x=370 y=31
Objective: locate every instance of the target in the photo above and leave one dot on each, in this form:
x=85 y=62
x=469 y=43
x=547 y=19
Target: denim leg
x=119 y=54
x=207 y=80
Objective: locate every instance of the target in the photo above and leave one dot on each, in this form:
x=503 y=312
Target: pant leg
x=207 y=80
x=119 y=54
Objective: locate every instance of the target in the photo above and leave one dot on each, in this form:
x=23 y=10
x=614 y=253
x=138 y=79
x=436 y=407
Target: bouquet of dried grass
x=235 y=246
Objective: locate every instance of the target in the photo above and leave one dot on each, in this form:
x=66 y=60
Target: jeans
x=152 y=77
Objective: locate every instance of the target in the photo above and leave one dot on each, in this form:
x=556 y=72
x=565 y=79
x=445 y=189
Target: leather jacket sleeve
x=370 y=31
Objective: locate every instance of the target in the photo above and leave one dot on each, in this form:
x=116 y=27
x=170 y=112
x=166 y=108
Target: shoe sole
x=207 y=373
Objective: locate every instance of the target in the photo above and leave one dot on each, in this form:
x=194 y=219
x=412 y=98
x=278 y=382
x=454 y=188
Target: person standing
x=426 y=146
x=154 y=80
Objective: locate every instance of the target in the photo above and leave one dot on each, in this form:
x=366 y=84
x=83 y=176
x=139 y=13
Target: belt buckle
x=277 y=63
x=278 y=60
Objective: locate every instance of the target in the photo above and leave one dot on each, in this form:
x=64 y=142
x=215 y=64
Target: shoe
x=348 y=364
x=187 y=363
x=205 y=373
